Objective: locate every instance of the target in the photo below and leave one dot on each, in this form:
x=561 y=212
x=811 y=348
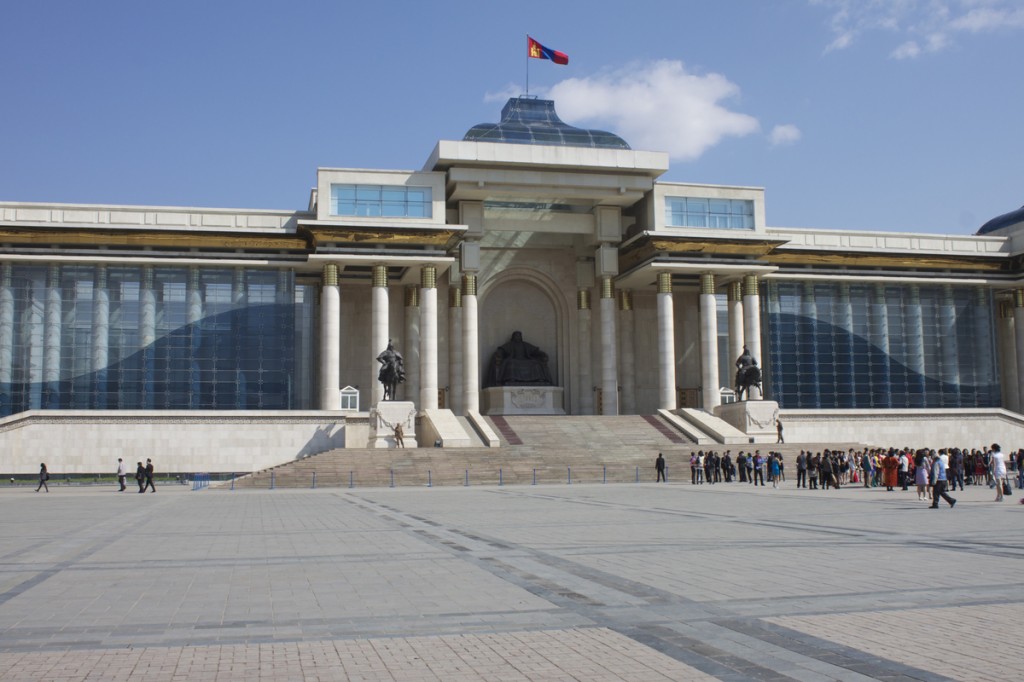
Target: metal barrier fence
x=200 y=481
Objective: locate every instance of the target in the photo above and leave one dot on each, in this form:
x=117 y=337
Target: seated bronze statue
x=518 y=363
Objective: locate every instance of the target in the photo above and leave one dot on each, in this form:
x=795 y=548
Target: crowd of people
x=933 y=472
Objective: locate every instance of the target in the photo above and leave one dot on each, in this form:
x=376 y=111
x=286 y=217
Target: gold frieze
x=177 y=239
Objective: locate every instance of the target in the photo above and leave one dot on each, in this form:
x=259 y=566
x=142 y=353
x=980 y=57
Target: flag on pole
x=538 y=51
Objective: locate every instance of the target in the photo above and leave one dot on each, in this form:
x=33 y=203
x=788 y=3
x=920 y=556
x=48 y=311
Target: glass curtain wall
x=106 y=337
x=838 y=345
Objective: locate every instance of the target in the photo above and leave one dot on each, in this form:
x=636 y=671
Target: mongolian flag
x=538 y=51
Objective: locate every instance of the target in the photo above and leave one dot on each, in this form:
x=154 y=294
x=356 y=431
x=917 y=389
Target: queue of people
x=935 y=473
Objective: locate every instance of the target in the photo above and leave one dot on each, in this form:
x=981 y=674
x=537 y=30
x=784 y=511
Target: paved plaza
x=556 y=582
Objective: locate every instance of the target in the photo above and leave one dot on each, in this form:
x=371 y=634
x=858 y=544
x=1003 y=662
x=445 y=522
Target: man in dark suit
x=149 y=477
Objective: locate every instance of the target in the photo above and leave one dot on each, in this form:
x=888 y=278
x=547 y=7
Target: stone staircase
x=562 y=449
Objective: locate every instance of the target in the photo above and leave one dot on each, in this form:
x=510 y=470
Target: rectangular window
x=387 y=201
x=720 y=213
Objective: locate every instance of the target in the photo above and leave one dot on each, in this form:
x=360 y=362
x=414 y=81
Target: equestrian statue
x=392 y=370
x=748 y=374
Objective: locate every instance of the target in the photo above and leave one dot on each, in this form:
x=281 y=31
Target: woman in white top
x=997 y=464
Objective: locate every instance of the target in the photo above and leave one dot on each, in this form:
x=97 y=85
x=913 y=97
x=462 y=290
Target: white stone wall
x=79 y=442
x=969 y=427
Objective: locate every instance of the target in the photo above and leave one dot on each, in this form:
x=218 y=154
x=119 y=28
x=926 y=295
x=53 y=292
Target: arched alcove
x=526 y=301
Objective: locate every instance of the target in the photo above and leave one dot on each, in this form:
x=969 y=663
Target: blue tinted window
x=698 y=212
x=389 y=201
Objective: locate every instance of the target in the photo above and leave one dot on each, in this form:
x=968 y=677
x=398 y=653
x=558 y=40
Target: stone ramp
x=614 y=433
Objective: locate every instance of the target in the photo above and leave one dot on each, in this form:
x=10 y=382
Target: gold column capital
x=707 y=283
x=454 y=297
x=607 y=290
x=583 y=299
x=664 y=282
x=428 y=277
x=412 y=296
x=1018 y=298
x=380 y=275
x=625 y=300
x=750 y=286
x=330 y=275
x=736 y=292
x=468 y=284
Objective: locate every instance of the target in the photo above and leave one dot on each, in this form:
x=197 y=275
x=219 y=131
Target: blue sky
x=853 y=114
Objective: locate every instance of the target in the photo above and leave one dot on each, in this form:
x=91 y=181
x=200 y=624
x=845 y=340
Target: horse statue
x=392 y=370
x=745 y=378
x=747 y=374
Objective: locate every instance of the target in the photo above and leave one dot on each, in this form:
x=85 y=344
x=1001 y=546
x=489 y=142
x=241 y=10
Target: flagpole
x=527 y=64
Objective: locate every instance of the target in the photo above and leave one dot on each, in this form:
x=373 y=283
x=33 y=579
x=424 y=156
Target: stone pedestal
x=756 y=418
x=383 y=418
x=506 y=400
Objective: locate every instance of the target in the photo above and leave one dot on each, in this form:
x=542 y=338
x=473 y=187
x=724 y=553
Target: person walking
x=140 y=476
x=998 y=464
x=44 y=476
x=778 y=428
x=939 y=484
x=149 y=477
x=122 y=473
x=773 y=463
x=659 y=465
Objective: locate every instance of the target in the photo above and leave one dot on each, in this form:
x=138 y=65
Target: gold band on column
x=707 y=283
x=664 y=282
x=53 y=276
x=1018 y=298
x=428 y=277
x=625 y=300
x=330 y=275
x=454 y=297
x=380 y=275
x=1005 y=309
x=736 y=292
x=583 y=299
x=750 y=286
x=5 y=273
x=147 y=276
x=469 y=284
x=412 y=296
x=607 y=291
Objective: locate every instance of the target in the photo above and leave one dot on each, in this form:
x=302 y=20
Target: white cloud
x=784 y=134
x=658 y=106
x=509 y=91
x=922 y=26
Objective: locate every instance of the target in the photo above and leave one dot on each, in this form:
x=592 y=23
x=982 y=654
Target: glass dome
x=1005 y=220
x=526 y=120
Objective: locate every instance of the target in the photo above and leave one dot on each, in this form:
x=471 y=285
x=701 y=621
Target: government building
x=233 y=340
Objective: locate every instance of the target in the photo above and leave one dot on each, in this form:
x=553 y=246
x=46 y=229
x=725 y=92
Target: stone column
x=239 y=299
x=411 y=351
x=330 y=340
x=914 y=336
x=584 y=375
x=947 y=334
x=881 y=380
x=666 y=344
x=6 y=340
x=709 y=344
x=844 y=315
x=147 y=336
x=378 y=328
x=456 y=384
x=1008 y=356
x=51 y=339
x=983 y=374
x=609 y=378
x=1018 y=327
x=194 y=316
x=736 y=322
x=470 y=345
x=428 y=338
x=752 y=325
x=100 y=336
x=808 y=358
x=627 y=353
